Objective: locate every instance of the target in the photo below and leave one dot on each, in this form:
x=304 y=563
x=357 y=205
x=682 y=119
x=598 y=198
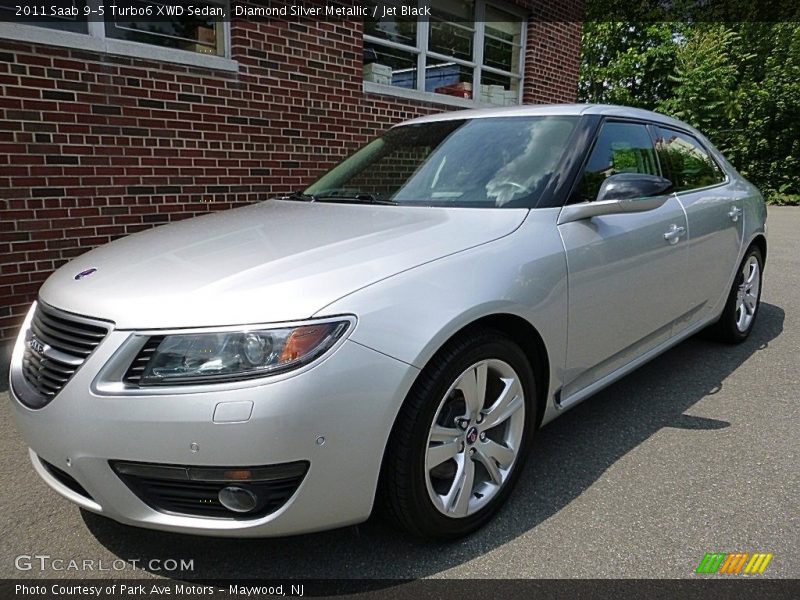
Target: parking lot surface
x=695 y=452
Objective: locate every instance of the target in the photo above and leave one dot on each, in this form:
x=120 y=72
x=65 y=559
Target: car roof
x=562 y=110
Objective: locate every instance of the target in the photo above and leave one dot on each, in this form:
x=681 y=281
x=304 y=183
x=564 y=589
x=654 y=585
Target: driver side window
x=620 y=148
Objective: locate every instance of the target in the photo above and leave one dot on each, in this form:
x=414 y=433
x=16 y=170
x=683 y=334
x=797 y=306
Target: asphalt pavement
x=695 y=452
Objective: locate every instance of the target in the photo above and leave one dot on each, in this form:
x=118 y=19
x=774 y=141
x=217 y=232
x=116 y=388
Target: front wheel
x=741 y=308
x=460 y=439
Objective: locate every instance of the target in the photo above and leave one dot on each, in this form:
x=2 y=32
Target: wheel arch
x=527 y=337
x=519 y=330
x=760 y=241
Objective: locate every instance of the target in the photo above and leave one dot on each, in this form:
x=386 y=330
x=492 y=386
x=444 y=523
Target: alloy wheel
x=475 y=437
x=747 y=294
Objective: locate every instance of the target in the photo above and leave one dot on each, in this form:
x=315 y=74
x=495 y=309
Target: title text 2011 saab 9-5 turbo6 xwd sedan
x=394 y=334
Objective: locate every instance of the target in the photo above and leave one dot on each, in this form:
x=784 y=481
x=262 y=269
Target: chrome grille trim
x=56 y=344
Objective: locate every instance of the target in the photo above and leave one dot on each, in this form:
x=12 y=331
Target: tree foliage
x=738 y=82
x=627 y=63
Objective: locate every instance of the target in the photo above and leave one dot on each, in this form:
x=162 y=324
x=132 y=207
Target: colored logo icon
x=734 y=563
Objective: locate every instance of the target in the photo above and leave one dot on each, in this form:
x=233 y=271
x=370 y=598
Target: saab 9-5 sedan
x=394 y=334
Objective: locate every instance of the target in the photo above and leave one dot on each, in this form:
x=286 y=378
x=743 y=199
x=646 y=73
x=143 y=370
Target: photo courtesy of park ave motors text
x=453 y=288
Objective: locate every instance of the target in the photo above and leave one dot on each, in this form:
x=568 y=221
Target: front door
x=626 y=272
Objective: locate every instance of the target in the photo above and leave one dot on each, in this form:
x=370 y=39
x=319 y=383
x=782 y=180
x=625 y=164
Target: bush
x=778 y=199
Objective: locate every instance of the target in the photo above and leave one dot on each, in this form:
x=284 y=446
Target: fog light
x=237 y=499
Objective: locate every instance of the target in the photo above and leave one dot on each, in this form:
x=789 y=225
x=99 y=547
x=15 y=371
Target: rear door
x=715 y=217
x=627 y=282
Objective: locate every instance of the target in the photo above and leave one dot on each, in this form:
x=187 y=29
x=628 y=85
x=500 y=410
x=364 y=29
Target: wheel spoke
x=741 y=315
x=473 y=385
x=750 y=303
x=497 y=452
x=491 y=466
x=438 y=454
x=444 y=434
x=457 y=499
x=509 y=402
x=750 y=272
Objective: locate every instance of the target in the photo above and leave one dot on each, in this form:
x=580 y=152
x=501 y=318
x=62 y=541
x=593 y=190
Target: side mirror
x=621 y=193
x=631 y=186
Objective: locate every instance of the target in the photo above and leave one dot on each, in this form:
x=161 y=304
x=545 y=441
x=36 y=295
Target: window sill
x=390 y=90
x=81 y=41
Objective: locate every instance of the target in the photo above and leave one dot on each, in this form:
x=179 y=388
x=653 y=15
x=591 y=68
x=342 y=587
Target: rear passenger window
x=685 y=162
x=620 y=148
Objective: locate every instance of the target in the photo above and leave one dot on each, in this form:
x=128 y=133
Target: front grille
x=174 y=490
x=57 y=344
x=65 y=479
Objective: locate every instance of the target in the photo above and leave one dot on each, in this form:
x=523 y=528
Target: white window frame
x=96 y=41
x=422 y=53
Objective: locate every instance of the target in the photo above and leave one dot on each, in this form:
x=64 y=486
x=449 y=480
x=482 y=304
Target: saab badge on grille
x=35 y=345
x=85 y=273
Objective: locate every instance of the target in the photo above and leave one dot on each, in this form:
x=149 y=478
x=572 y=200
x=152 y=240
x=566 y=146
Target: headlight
x=218 y=357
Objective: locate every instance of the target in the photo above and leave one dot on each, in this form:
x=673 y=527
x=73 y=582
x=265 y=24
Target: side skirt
x=581 y=395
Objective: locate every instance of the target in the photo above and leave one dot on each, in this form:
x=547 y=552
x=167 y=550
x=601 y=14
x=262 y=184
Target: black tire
x=726 y=329
x=403 y=490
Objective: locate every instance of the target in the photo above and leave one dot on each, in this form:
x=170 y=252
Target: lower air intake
x=195 y=491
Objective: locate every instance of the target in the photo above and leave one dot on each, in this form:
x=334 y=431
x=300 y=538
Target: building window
x=470 y=49
x=198 y=31
x=72 y=18
x=156 y=28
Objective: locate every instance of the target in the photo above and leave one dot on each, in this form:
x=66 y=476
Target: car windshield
x=484 y=162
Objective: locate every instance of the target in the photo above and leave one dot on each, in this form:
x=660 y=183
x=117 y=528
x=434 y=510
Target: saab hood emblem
x=85 y=273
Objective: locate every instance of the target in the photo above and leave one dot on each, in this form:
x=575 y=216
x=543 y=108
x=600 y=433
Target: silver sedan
x=393 y=334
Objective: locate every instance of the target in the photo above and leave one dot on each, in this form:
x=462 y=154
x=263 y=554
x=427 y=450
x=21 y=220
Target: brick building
x=110 y=128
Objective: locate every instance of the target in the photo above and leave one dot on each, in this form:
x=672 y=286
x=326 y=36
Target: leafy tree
x=627 y=63
x=767 y=137
x=738 y=82
x=705 y=80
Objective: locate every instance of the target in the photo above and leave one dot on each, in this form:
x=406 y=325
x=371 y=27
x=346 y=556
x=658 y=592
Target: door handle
x=674 y=234
x=735 y=213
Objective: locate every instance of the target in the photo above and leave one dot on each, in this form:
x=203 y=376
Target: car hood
x=268 y=262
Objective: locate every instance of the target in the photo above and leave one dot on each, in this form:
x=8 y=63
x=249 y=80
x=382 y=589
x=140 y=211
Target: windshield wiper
x=358 y=198
x=300 y=196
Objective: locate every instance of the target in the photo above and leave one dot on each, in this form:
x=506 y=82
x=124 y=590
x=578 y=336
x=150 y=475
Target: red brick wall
x=94 y=147
x=553 y=52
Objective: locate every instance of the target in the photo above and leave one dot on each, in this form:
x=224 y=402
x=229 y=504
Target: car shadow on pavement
x=569 y=455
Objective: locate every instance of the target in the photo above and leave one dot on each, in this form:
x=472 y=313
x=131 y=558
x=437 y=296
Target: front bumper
x=349 y=400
